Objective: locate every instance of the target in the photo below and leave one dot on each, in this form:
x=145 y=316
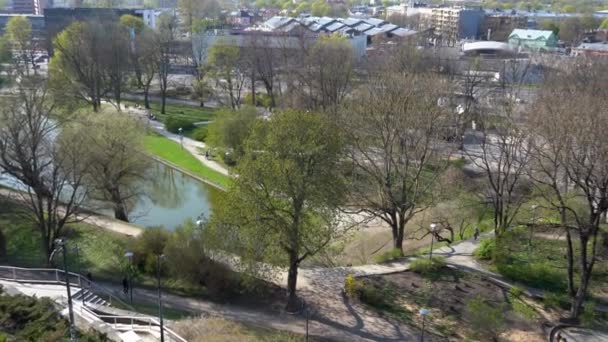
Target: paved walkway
x=196 y=148
x=101 y=221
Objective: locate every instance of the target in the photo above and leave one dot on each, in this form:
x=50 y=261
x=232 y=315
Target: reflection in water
x=170 y=197
x=167 y=198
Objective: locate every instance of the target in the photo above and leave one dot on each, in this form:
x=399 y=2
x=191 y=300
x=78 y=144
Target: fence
x=55 y=276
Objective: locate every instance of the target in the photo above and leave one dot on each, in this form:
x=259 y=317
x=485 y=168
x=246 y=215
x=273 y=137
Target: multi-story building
x=453 y=24
x=498 y=27
x=28 y=6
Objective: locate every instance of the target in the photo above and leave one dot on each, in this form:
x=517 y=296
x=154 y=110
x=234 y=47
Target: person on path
x=476 y=234
x=125 y=285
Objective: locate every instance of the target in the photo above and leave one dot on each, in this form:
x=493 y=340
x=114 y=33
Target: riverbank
x=175 y=155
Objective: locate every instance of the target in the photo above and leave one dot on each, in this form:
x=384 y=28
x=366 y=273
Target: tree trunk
x=292 y=279
x=146 y=98
x=398 y=236
x=163 y=100
x=120 y=212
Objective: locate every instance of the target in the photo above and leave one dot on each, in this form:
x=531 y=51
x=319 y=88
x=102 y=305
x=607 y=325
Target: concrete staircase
x=90 y=298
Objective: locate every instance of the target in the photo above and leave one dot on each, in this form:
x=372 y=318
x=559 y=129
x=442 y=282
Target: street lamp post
x=433 y=227
x=423 y=312
x=129 y=255
x=181 y=137
x=77 y=250
x=160 y=303
x=61 y=244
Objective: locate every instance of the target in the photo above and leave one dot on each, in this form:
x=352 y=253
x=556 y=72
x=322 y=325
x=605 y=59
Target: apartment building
x=453 y=24
x=498 y=27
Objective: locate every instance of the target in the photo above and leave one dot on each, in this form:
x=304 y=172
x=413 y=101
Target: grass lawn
x=189 y=113
x=100 y=251
x=173 y=152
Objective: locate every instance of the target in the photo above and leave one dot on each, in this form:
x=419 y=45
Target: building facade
x=533 y=40
x=499 y=27
x=453 y=24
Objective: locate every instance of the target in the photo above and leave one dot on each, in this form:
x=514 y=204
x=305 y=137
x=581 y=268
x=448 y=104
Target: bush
x=261 y=100
x=148 y=246
x=229 y=158
x=2 y=245
x=393 y=254
x=371 y=295
x=200 y=133
x=516 y=291
x=173 y=124
x=557 y=300
x=535 y=274
x=351 y=286
x=426 y=266
x=588 y=314
x=485 y=251
x=487 y=320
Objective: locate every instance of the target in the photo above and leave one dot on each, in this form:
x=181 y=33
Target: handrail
x=142 y=319
x=56 y=278
x=59 y=277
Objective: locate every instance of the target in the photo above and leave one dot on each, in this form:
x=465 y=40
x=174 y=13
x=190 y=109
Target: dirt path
x=101 y=221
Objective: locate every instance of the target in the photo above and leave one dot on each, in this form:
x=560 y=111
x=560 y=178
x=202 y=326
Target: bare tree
x=48 y=165
x=502 y=149
x=394 y=125
x=570 y=161
x=166 y=50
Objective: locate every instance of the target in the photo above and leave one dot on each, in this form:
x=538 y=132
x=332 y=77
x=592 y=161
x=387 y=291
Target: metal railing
x=56 y=276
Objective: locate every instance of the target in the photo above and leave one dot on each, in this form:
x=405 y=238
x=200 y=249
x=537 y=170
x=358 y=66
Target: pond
x=166 y=198
x=169 y=197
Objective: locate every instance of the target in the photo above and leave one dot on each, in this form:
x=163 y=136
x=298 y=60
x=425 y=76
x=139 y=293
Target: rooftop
x=531 y=34
x=593 y=46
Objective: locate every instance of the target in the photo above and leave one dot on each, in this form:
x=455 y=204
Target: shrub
x=485 y=251
x=536 y=274
x=229 y=158
x=148 y=245
x=371 y=295
x=487 y=321
x=426 y=266
x=200 y=133
x=173 y=124
x=2 y=245
x=556 y=300
x=261 y=100
x=393 y=254
x=588 y=314
x=351 y=286
x=516 y=291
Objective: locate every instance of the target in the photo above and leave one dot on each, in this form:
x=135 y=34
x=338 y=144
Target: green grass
x=171 y=151
x=189 y=113
x=100 y=251
x=168 y=313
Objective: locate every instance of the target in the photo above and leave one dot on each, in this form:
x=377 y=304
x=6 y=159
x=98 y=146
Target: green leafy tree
x=226 y=67
x=604 y=24
x=20 y=42
x=230 y=129
x=116 y=166
x=320 y=8
x=283 y=206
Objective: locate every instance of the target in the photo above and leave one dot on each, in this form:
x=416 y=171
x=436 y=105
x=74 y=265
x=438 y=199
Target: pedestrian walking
x=476 y=234
x=125 y=285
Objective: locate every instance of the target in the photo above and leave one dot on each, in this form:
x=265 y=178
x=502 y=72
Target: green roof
x=531 y=34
